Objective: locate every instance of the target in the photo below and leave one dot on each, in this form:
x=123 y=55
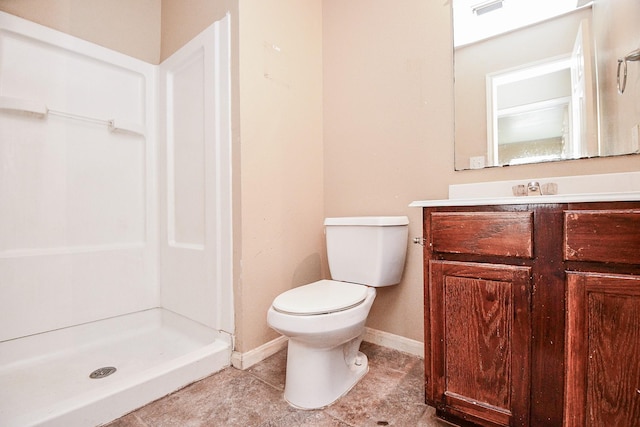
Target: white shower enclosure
x=115 y=223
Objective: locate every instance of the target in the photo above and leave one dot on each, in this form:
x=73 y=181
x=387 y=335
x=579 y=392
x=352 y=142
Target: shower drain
x=102 y=372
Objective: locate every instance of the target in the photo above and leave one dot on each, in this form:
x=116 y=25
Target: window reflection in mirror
x=529 y=114
x=538 y=112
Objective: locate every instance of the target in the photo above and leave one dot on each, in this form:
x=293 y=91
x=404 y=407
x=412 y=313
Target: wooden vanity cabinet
x=532 y=314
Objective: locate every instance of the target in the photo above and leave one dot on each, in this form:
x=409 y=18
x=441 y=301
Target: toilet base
x=318 y=377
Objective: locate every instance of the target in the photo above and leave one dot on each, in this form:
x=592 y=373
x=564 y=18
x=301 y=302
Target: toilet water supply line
x=622 y=63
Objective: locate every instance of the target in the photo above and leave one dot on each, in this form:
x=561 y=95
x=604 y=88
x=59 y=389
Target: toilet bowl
x=323 y=357
x=325 y=320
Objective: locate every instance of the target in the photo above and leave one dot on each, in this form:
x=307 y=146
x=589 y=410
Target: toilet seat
x=322 y=297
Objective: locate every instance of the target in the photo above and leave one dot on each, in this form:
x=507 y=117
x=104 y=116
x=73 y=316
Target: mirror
x=541 y=80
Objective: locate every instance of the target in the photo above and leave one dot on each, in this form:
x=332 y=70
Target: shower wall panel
x=195 y=202
x=77 y=221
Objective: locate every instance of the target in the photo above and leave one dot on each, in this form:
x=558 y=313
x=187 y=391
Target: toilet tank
x=367 y=250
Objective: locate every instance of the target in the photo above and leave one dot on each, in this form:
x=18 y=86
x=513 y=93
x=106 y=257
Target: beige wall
x=131 y=27
x=150 y=30
x=355 y=118
x=387 y=115
x=388 y=126
x=281 y=130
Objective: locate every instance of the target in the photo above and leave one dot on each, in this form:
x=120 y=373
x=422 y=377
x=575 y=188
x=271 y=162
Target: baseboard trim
x=246 y=360
x=395 y=342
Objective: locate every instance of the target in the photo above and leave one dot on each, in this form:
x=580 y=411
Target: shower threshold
x=45 y=378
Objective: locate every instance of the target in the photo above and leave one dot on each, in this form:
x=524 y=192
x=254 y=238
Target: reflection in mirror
x=529 y=114
x=529 y=85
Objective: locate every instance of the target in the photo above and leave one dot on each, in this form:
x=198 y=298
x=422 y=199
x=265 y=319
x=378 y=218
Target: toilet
x=325 y=320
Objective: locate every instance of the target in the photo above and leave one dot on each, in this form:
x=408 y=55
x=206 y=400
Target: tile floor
x=391 y=394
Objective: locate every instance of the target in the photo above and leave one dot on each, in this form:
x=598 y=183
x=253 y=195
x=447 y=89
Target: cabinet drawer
x=602 y=236
x=483 y=233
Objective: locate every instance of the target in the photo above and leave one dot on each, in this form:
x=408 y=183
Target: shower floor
x=44 y=379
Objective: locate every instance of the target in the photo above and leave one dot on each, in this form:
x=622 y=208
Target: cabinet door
x=603 y=350
x=480 y=332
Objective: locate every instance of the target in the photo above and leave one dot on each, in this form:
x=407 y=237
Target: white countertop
x=513 y=200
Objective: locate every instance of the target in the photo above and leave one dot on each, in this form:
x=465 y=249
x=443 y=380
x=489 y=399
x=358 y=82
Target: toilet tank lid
x=379 y=221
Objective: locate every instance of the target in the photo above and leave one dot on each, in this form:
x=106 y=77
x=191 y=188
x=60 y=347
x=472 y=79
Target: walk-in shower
x=115 y=224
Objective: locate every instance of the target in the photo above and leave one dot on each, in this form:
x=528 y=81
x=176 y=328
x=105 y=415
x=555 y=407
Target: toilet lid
x=324 y=296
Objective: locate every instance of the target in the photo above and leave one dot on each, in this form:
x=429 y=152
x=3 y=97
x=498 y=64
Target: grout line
x=140 y=420
x=278 y=388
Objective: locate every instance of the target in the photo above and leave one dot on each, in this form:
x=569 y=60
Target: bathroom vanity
x=532 y=310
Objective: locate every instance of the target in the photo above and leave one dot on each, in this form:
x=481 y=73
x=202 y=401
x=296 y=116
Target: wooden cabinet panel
x=480 y=370
x=603 y=348
x=602 y=236
x=483 y=233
